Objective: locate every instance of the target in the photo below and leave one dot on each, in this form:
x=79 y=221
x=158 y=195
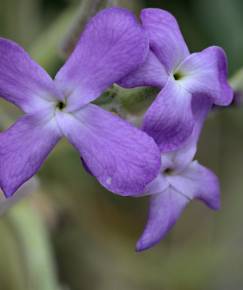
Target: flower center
x=168 y=171
x=61 y=105
x=178 y=76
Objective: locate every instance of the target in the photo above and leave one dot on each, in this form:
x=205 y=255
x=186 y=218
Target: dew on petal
x=109 y=180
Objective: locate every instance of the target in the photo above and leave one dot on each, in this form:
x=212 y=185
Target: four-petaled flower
x=184 y=79
x=123 y=158
x=180 y=180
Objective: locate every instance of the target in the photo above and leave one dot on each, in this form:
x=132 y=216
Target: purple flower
x=121 y=157
x=183 y=78
x=180 y=180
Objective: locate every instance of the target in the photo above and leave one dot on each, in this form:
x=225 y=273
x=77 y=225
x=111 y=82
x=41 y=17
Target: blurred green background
x=71 y=234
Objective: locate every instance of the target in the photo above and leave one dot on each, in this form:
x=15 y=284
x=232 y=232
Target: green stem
x=130 y=100
x=34 y=244
x=86 y=10
x=11 y=264
x=45 y=49
x=236 y=81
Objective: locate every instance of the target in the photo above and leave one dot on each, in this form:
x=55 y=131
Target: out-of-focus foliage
x=71 y=233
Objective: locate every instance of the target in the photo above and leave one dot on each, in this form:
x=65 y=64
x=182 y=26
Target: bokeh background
x=69 y=233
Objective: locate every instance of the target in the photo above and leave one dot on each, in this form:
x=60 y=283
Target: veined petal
x=22 y=81
x=123 y=158
x=165 y=208
x=179 y=159
x=165 y=37
x=112 y=45
x=196 y=181
x=206 y=73
x=151 y=73
x=24 y=147
x=170 y=120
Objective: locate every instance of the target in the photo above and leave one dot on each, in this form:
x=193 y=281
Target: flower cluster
x=156 y=159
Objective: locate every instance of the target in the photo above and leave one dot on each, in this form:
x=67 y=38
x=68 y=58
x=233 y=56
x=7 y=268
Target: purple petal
x=123 y=158
x=206 y=73
x=165 y=37
x=182 y=157
x=165 y=209
x=169 y=120
x=22 y=81
x=23 y=149
x=151 y=73
x=198 y=182
x=112 y=45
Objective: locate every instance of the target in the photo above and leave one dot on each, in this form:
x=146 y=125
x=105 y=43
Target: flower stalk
x=33 y=240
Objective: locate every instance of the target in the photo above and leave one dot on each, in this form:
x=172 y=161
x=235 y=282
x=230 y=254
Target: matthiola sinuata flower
x=183 y=78
x=123 y=158
x=180 y=180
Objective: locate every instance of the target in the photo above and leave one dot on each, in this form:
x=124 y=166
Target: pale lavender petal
x=150 y=73
x=170 y=120
x=159 y=184
x=165 y=208
x=24 y=147
x=179 y=159
x=206 y=73
x=123 y=158
x=112 y=45
x=22 y=81
x=196 y=181
x=165 y=37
